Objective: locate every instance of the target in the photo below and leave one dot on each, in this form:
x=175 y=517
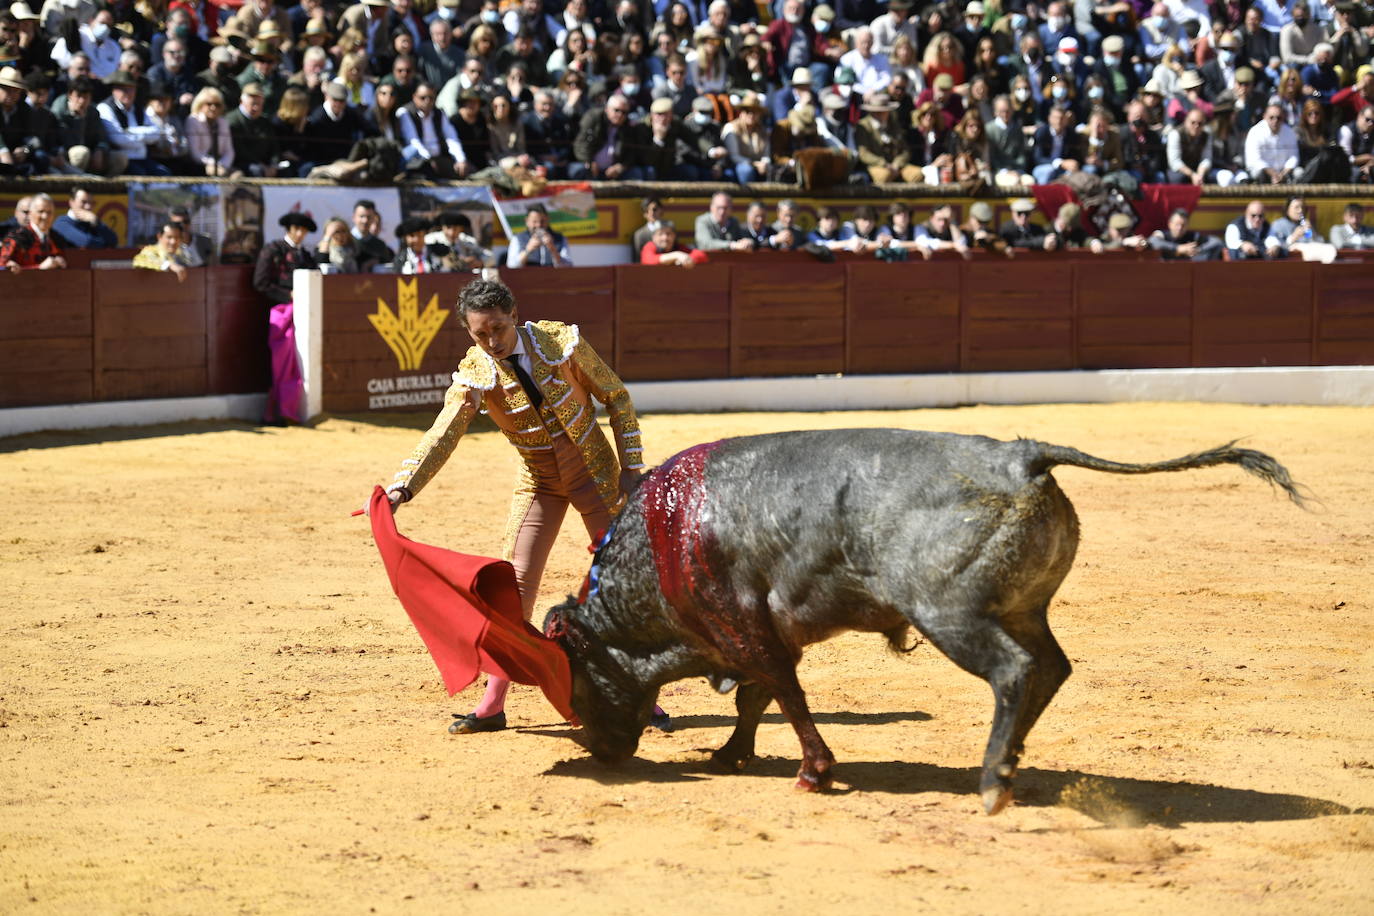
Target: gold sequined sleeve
x=607 y=388
x=460 y=406
x=150 y=258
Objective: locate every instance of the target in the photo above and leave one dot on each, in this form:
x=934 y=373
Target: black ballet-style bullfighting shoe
x=661 y=721
x=472 y=723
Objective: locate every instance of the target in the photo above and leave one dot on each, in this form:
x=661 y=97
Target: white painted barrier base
x=1317 y=385
x=17 y=420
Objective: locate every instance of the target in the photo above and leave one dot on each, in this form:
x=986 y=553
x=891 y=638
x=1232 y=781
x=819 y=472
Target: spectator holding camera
x=538 y=245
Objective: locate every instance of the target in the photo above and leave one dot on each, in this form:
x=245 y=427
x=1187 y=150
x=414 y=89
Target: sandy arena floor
x=212 y=703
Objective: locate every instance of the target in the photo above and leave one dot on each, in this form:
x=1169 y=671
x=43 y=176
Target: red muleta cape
x=467 y=611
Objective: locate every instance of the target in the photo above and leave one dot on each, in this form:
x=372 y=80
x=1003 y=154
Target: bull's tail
x=1258 y=463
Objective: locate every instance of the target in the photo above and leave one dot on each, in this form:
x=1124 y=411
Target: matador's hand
x=629 y=479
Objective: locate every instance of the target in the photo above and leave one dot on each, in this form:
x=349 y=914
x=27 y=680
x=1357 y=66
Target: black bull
x=732 y=557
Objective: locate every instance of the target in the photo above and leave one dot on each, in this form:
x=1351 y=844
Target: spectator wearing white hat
x=798 y=91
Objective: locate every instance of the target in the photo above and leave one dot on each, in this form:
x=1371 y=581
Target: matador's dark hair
x=485 y=296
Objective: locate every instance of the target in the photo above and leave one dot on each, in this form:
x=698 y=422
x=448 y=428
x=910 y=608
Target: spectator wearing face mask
x=1159 y=32
x=1119 y=79
x=1057 y=147
x=96 y=41
x=1300 y=37
x=1219 y=72
x=1031 y=66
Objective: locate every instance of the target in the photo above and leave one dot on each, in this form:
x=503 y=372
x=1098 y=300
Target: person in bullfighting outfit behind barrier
x=537 y=381
x=272 y=278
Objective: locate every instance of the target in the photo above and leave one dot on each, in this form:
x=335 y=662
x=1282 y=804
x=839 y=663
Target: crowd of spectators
x=961 y=91
x=896 y=235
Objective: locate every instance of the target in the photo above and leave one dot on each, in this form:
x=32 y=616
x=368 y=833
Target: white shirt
x=424 y=142
x=1266 y=150
x=104 y=54
x=870 y=73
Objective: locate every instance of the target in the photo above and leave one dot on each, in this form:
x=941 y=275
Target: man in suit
x=1119 y=79
x=538 y=245
x=255 y=142
x=333 y=128
x=548 y=139
x=413 y=255
x=605 y=143
x=440 y=57
x=1031 y=64
x=717 y=230
x=539 y=383
x=1245 y=235
x=1219 y=73
x=198 y=248
x=1020 y=231
x=371 y=249
x=1056 y=148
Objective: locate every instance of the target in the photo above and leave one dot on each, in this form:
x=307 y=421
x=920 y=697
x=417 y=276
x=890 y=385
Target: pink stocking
x=494 y=700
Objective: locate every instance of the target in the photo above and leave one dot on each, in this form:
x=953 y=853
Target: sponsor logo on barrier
x=408 y=331
x=407 y=390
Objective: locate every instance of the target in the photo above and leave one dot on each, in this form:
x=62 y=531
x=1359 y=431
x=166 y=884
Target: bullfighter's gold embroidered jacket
x=570 y=374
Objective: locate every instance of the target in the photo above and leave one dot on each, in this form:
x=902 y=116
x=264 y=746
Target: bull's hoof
x=995 y=798
x=814 y=782
x=726 y=762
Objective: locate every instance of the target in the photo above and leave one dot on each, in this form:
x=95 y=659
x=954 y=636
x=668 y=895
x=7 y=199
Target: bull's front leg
x=817 y=761
x=750 y=702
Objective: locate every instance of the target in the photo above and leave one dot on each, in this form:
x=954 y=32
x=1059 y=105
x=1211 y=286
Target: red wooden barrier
x=902 y=318
x=1017 y=315
x=1344 y=310
x=584 y=296
x=73 y=336
x=672 y=323
x=149 y=335
x=1257 y=315
x=786 y=319
x=45 y=338
x=1133 y=315
x=236 y=324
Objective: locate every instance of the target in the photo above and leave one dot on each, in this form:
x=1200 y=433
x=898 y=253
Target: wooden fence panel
x=1344 y=310
x=1252 y=314
x=1017 y=316
x=672 y=323
x=150 y=334
x=236 y=320
x=786 y=319
x=902 y=317
x=45 y=338
x=1134 y=315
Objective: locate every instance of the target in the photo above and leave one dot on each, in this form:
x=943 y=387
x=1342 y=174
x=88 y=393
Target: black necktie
x=527 y=383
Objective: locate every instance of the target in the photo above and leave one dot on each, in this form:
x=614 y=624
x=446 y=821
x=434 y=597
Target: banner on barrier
x=571 y=206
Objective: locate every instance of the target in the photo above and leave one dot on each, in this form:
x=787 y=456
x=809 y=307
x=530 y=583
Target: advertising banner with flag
x=571 y=206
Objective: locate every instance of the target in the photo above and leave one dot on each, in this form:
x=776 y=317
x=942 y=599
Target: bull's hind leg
x=1049 y=672
x=977 y=643
x=750 y=702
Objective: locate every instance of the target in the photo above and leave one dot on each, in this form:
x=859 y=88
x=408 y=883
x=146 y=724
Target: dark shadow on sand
x=1111 y=800
x=63 y=438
